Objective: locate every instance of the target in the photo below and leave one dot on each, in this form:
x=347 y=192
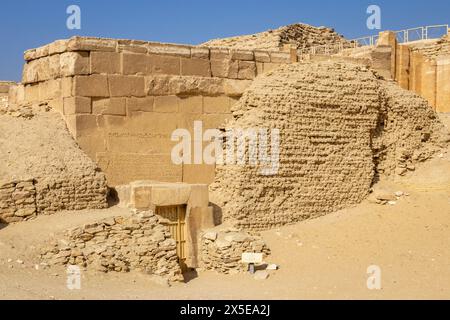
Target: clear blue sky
x=27 y=24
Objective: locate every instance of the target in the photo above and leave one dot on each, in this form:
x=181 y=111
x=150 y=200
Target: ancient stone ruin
x=42 y=169
x=340 y=127
x=92 y=124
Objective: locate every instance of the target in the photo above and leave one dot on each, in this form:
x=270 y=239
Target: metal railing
x=403 y=36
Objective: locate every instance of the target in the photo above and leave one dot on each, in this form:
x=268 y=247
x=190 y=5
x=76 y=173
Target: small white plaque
x=249 y=257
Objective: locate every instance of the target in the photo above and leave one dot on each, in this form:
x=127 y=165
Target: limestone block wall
x=119 y=244
x=122 y=99
x=422 y=67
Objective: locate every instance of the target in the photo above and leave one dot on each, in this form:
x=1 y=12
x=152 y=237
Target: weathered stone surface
x=105 y=62
x=91 y=44
x=91 y=86
x=109 y=106
x=126 y=86
x=74 y=63
x=76 y=105
x=195 y=67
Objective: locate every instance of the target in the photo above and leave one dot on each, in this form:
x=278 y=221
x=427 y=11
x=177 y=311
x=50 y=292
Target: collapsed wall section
x=298 y=36
x=119 y=244
x=340 y=127
x=122 y=99
x=325 y=113
x=42 y=170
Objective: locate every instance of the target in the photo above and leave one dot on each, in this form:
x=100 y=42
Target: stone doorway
x=174 y=217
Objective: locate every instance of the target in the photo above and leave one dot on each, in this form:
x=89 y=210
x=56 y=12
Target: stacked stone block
x=122 y=99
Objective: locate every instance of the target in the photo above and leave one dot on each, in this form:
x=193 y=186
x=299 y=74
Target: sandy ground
x=325 y=258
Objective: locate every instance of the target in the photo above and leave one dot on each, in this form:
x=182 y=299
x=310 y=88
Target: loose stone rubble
x=298 y=36
x=222 y=249
x=120 y=244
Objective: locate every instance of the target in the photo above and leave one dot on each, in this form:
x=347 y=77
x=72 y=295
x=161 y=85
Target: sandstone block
x=220 y=54
x=166 y=104
x=225 y=68
x=242 y=55
x=66 y=87
x=191 y=104
x=247 y=70
x=126 y=86
x=136 y=64
x=280 y=57
x=58 y=46
x=219 y=104
x=32 y=93
x=91 y=86
x=81 y=124
x=50 y=89
x=105 y=62
x=54 y=66
x=169 y=49
x=132 y=46
x=165 y=65
x=91 y=44
x=200 y=53
x=112 y=106
x=74 y=63
x=37 y=53
x=75 y=105
x=195 y=67
x=139 y=105
x=262 y=56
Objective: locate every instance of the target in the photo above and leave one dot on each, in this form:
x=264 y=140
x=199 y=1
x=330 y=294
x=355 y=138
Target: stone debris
x=121 y=244
x=272 y=267
x=340 y=127
x=298 y=36
x=224 y=254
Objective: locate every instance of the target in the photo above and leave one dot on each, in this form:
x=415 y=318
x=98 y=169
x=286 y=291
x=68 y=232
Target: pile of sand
x=42 y=169
x=300 y=36
x=340 y=126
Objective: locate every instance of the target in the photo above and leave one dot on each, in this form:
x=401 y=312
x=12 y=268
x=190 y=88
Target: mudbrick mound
x=299 y=36
x=340 y=127
x=42 y=169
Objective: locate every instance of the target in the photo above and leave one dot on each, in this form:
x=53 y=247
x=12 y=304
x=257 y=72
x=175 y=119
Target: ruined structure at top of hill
x=298 y=36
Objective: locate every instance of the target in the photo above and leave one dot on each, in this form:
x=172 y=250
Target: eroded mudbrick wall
x=339 y=125
x=42 y=169
x=123 y=99
x=120 y=244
